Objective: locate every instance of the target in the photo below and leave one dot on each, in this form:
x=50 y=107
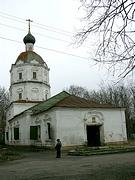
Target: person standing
x=58 y=148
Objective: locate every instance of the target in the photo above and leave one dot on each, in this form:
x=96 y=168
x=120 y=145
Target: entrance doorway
x=93 y=135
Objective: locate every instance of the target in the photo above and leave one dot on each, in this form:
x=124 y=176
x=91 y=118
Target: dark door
x=93 y=135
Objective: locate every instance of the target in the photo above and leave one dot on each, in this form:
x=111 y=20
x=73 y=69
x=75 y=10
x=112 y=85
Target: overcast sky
x=55 y=22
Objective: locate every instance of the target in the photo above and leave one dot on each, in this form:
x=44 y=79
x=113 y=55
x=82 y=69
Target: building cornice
x=29 y=64
x=30 y=81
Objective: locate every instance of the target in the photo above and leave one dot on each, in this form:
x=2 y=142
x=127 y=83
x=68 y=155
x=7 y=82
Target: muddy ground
x=44 y=165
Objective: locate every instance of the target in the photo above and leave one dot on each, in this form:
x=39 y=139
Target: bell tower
x=29 y=78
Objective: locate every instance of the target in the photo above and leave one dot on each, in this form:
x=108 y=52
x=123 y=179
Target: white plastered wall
x=71 y=125
x=40 y=85
x=24 y=122
x=68 y=124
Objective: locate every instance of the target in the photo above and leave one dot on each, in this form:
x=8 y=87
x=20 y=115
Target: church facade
x=36 y=118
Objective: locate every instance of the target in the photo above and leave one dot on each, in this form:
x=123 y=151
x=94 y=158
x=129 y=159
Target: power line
x=11 y=15
x=58 y=39
x=21 y=20
x=49 y=49
x=54 y=28
x=39 y=25
x=12 y=19
x=62 y=52
x=50 y=37
x=56 y=31
x=10 y=39
x=36 y=23
x=9 y=26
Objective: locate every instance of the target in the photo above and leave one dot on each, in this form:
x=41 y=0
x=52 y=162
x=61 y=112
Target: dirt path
x=44 y=165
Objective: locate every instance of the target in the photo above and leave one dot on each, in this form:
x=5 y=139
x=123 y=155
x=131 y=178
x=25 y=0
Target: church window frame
x=46 y=95
x=49 y=130
x=133 y=127
x=7 y=136
x=35 y=94
x=34 y=75
x=35 y=132
x=93 y=119
x=20 y=95
x=16 y=133
x=20 y=75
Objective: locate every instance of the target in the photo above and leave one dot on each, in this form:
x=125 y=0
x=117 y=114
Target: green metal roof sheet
x=64 y=99
x=49 y=103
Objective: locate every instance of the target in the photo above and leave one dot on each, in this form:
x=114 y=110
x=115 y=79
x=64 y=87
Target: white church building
x=35 y=118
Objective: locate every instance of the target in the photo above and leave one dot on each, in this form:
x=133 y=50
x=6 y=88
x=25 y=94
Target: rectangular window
x=16 y=133
x=20 y=95
x=7 y=137
x=34 y=75
x=133 y=128
x=20 y=75
x=35 y=132
x=45 y=96
x=93 y=119
x=49 y=130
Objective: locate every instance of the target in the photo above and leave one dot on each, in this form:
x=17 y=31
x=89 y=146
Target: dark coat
x=58 y=146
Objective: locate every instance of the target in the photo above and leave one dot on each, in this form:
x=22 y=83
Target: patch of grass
x=9 y=155
x=31 y=148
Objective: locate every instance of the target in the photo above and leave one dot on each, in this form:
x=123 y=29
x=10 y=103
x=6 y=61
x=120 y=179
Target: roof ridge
x=51 y=98
x=87 y=100
x=49 y=103
x=66 y=93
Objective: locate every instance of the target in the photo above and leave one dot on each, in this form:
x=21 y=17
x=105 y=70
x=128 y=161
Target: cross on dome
x=29 y=21
x=29 y=38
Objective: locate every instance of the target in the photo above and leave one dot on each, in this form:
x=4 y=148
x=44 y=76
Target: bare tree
x=119 y=96
x=4 y=101
x=114 y=22
x=78 y=91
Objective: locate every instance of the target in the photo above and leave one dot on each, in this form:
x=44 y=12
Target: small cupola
x=29 y=40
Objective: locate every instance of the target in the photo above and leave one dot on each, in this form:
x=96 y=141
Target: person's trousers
x=58 y=153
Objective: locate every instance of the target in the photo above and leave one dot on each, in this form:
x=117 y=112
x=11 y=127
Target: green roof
x=51 y=102
x=29 y=38
x=64 y=99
